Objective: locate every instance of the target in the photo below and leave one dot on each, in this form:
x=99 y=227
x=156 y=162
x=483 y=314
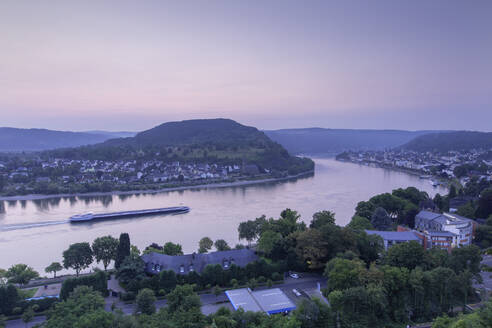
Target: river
x=36 y=232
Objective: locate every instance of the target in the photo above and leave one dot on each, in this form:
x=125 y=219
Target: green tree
x=167 y=280
x=172 y=249
x=408 y=255
x=485 y=203
x=311 y=247
x=3 y=321
x=78 y=256
x=322 y=218
x=53 y=267
x=146 y=301
x=360 y=223
x=132 y=269
x=343 y=274
x=205 y=245
x=28 y=315
x=380 y=219
x=248 y=230
x=83 y=302
x=105 y=249
x=221 y=245
x=20 y=274
x=268 y=240
x=216 y=291
x=123 y=249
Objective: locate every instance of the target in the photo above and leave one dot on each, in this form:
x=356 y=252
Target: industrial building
x=270 y=301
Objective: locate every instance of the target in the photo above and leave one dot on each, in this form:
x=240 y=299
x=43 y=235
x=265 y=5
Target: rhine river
x=36 y=232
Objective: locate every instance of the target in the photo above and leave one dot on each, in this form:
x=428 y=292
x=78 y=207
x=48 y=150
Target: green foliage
x=28 y=315
x=380 y=220
x=205 y=245
x=97 y=282
x=360 y=223
x=322 y=218
x=343 y=274
x=105 y=249
x=449 y=141
x=221 y=245
x=167 y=280
x=268 y=240
x=78 y=256
x=123 y=249
x=83 y=308
x=408 y=255
x=145 y=301
x=20 y=274
x=8 y=298
x=484 y=208
x=53 y=267
x=131 y=270
x=172 y=249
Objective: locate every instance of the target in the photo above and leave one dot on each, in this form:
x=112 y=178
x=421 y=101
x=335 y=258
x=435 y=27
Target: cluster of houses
x=121 y=172
x=444 y=231
x=429 y=163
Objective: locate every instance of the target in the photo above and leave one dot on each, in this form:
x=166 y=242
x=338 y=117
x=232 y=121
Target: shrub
x=97 y=281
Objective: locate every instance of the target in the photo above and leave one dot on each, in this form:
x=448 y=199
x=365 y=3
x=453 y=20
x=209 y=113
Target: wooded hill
x=449 y=141
x=206 y=140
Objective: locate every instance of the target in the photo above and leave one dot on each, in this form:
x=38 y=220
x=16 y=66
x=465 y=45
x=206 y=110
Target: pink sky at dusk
x=130 y=65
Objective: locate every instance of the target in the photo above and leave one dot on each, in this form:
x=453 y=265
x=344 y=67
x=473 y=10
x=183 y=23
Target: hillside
x=326 y=141
x=208 y=140
x=448 y=141
x=13 y=139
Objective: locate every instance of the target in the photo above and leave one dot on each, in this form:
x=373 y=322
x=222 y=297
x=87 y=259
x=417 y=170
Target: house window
x=182 y=269
x=191 y=268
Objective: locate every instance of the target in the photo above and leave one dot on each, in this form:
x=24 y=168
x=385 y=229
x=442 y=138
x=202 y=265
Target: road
x=209 y=301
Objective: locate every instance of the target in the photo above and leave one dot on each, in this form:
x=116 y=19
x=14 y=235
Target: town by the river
x=37 y=231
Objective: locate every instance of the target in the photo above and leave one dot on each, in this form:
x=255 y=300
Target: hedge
x=97 y=281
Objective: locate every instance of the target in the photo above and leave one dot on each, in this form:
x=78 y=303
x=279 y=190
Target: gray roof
x=395 y=235
x=184 y=264
x=428 y=215
x=268 y=300
x=273 y=300
x=441 y=234
x=242 y=298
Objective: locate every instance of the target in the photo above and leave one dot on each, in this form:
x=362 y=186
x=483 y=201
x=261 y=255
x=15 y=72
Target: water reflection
x=215 y=212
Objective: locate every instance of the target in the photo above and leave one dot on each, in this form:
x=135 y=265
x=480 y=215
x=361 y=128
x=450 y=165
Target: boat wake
x=31 y=225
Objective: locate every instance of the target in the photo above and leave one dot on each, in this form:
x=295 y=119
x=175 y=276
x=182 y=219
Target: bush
x=125 y=297
x=97 y=281
x=17 y=310
x=276 y=276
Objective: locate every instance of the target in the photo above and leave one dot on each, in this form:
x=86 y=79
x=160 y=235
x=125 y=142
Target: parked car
x=296 y=292
x=294 y=275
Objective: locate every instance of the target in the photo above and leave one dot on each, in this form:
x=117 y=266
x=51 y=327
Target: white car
x=294 y=275
x=296 y=292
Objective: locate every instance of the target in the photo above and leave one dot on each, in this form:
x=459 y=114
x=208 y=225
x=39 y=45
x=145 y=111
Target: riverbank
x=239 y=183
x=417 y=173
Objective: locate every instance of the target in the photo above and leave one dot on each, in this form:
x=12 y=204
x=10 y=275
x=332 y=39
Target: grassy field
x=27 y=293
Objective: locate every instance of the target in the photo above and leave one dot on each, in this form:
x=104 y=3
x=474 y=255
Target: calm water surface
x=36 y=232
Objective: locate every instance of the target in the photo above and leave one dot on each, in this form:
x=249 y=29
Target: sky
x=131 y=65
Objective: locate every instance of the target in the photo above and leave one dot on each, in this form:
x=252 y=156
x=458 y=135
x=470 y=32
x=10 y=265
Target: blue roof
x=270 y=301
x=428 y=215
x=441 y=234
x=394 y=235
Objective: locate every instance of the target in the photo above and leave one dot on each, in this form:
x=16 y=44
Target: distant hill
x=207 y=140
x=328 y=141
x=13 y=139
x=113 y=134
x=448 y=141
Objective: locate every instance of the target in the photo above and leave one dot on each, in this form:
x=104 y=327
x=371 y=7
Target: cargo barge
x=116 y=215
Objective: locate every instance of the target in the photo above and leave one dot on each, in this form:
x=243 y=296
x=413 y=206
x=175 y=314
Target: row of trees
x=367 y=286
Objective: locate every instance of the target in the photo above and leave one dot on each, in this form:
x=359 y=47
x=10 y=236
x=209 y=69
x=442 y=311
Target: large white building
x=459 y=230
